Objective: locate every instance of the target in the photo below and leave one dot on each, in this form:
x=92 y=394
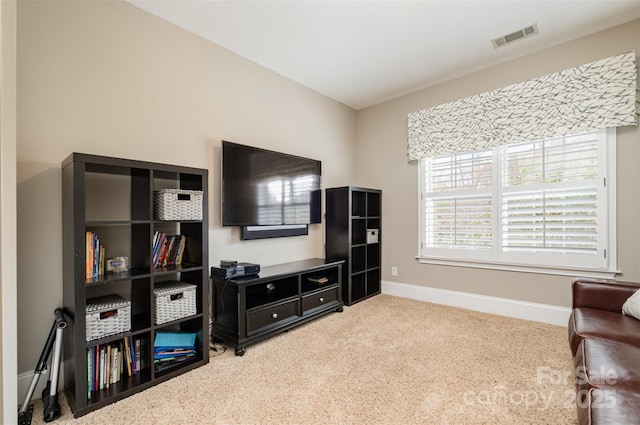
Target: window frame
x=494 y=258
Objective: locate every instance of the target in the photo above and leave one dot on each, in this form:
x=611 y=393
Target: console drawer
x=320 y=298
x=276 y=313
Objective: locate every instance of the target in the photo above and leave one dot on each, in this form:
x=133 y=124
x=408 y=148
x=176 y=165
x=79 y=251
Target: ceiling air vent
x=515 y=36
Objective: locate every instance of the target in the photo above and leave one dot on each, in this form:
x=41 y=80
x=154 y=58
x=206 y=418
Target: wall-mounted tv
x=266 y=188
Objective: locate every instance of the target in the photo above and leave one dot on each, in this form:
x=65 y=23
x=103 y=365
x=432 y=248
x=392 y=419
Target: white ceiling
x=365 y=52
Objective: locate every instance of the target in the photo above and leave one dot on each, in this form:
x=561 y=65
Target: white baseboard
x=543 y=313
x=25 y=378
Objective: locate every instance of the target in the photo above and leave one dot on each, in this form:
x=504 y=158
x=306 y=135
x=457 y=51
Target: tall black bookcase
x=353 y=234
x=114 y=199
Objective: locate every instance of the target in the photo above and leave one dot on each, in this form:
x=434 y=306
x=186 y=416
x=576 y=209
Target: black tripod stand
x=50 y=393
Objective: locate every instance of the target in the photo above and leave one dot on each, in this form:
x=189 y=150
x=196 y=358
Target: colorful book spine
x=89 y=373
x=167 y=250
x=108 y=363
x=95 y=259
x=138 y=352
x=102 y=369
x=127 y=355
x=134 y=368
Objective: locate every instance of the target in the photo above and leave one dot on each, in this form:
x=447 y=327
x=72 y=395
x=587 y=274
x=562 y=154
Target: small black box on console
x=239 y=269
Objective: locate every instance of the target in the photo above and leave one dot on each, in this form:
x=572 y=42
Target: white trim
x=544 y=313
x=596 y=274
x=24 y=379
x=612 y=199
x=8 y=209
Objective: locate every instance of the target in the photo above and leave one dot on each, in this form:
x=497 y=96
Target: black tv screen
x=266 y=188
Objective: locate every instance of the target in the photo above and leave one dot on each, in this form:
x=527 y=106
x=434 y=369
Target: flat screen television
x=266 y=188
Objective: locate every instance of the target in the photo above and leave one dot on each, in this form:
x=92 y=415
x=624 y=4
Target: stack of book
x=172 y=349
x=95 y=256
x=108 y=363
x=318 y=280
x=168 y=250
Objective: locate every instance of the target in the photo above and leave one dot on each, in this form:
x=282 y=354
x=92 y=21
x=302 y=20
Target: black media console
x=248 y=309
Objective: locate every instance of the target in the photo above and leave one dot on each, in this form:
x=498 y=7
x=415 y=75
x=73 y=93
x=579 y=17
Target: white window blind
x=460 y=207
x=541 y=203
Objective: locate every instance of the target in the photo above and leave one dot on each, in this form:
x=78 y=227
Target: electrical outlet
x=394 y=271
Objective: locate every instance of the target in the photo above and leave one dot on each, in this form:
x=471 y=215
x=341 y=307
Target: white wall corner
x=543 y=313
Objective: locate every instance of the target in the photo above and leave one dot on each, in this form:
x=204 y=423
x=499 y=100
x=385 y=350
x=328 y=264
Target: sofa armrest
x=602 y=294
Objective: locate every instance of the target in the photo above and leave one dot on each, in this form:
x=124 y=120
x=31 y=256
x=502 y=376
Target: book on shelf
x=183 y=244
x=157 y=242
x=137 y=351
x=109 y=363
x=171 y=362
x=169 y=353
x=162 y=251
x=88 y=255
x=89 y=372
x=96 y=369
x=101 y=370
x=107 y=366
x=127 y=353
x=174 y=340
x=114 y=369
x=95 y=256
x=172 y=349
x=132 y=353
x=319 y=280
x=168 y=250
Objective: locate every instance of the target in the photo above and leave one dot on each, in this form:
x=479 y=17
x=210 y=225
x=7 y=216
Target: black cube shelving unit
x=353 y=234
x=113 y=198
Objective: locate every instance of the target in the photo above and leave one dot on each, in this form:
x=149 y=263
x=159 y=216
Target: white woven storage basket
x=177 y=204
x=107 y=315
x=174 y=300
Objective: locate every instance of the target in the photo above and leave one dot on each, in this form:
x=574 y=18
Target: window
x=546 y=203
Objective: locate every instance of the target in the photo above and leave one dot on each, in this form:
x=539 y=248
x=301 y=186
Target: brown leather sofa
x=606 y=351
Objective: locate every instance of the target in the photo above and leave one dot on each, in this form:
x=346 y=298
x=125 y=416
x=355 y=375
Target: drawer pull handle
x=321 y=299
x=274 y=315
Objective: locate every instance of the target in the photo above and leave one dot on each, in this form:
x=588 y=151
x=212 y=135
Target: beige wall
x=382 y=138
x=8 y=351
x=109 y=79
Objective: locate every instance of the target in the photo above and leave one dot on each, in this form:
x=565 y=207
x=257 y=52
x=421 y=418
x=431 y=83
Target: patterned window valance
x=597 y=95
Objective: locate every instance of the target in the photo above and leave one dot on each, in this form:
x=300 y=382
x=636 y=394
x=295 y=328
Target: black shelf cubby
x=373 y=256
x=358 y=285
x=358 y=204
x=320 y=280
x=373 y=204
x=272 y=291
x=358 y=231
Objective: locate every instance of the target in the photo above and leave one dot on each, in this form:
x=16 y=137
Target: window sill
x=599 y=274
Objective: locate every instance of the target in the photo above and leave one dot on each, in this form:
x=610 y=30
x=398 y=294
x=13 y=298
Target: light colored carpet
x=386 y=360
